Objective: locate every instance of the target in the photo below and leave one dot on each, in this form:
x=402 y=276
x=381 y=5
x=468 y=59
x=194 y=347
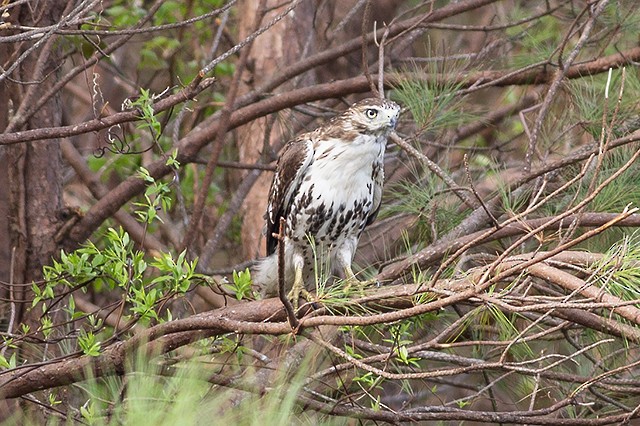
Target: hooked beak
x=394 y=121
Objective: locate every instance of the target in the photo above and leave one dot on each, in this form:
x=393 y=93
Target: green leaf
x=241 y=285
x=10 y=363
x=88 y=343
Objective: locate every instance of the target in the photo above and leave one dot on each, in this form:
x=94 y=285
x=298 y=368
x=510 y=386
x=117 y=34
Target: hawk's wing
x=378 y=182
x=290 y=170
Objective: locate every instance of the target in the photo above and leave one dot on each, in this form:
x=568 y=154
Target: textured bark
x=270 y=52
x=33 y=171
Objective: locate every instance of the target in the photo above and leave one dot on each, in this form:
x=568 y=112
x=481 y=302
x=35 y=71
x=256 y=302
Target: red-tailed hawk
x=328 y=187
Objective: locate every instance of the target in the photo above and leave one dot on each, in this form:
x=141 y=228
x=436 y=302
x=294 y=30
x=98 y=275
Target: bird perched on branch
x=328 y=188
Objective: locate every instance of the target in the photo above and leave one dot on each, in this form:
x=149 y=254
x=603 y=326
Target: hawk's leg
x=344 y=258
x=298 y=289
x=352 y=281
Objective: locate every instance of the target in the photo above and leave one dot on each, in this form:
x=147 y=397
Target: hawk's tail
x=265 y=276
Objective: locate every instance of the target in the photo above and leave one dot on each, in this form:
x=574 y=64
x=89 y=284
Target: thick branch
x=249 y=111
x=252 y=317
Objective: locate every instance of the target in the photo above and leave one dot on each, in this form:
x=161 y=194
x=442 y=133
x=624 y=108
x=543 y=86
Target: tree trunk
x=33 y=194
x=281 y=46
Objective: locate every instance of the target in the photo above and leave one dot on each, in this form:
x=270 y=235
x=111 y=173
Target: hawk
x=328 y=187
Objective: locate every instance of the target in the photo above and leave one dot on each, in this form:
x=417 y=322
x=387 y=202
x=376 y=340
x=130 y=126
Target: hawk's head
x=372 y=116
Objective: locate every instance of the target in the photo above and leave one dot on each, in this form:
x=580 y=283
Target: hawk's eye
x=371 y=113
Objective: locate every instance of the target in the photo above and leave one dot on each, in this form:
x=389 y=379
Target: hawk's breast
x=337 y=194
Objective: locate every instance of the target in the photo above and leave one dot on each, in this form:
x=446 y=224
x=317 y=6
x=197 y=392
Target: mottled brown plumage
x=328 y=187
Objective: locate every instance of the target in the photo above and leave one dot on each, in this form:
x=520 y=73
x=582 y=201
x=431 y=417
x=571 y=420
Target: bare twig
x=559 y=77
x=282 y=293
x=460 y=192
x=475 y=192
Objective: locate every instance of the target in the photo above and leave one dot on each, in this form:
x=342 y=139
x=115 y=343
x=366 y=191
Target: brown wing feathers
x=292 y=163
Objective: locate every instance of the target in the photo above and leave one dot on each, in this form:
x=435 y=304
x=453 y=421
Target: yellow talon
x=351 y=280
x=298 y=290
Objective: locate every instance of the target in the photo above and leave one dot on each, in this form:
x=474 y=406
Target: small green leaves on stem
x=241 y=285
x=88 y=343
x=175 y=275
x=118 y=265
x=8 y=363
x=156 y=197
x=144 y=104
